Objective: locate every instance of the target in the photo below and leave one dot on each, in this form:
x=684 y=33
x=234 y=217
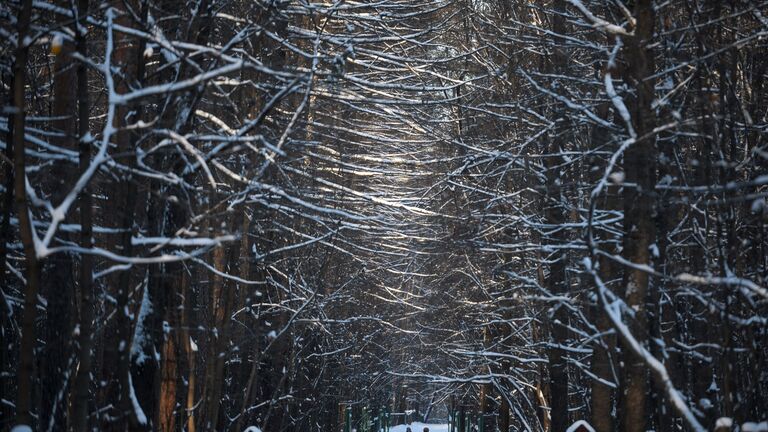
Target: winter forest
x=287 y=215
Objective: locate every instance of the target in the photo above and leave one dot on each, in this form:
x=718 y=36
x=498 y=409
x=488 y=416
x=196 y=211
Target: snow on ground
x=746 y=427
x=419 y=427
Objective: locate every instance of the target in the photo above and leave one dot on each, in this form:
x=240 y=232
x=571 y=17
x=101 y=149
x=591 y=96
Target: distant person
x=426 y=429
x=407 y=429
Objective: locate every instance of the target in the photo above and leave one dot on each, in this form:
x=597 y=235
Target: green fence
x=371 y=420
x=459 y=421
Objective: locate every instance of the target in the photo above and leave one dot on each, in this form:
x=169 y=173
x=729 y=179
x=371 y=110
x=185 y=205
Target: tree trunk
x=57 y=280
x=7 y=325
x=28 y=336
x=640 y=162
x=504 y=407
x=602 y=364
x=222 y=296
x=166 y=410
x=80 y=392
x=118 y=334
x=556 y=280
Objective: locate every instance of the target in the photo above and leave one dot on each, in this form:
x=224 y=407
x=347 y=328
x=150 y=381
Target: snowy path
x=419 y=427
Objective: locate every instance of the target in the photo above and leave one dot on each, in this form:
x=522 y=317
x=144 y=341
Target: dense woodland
x=219 y=214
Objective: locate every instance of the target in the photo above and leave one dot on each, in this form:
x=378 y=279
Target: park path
x=419 y=427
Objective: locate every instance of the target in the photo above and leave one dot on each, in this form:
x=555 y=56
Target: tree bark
x=602 y=364
x=57 y=283
x=7 y=324
x=118 y=334
x=80 y=392
x=28 y=336
x=639 y=235
x=556 y=279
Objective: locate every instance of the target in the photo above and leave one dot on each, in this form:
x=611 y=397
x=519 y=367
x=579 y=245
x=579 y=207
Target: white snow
x=580 y=424
x=21 y=428
x=419 y=427
x=139 y=337
x=617 y=177
x=599 y=23
x=758 y=205
x=724 y=423
x=140 y=416
x=755 y=427
x=252 y=429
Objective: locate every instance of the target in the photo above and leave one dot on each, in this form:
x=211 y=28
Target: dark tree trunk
x=639 y=208
x=26 y=367
x=81 y=389
x=8 y=333
x=57 y=275
x=555 y=215
x=602 y=362
x=118 y=333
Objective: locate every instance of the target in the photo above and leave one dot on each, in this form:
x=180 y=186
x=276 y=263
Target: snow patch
x=580 y=425
x=617 y=177
x=21 y=428
x=724 y=423
x=654 y=250
x=140 y=416
x=419 y=427
x=755 y=427
x=252 y=429
x=139 y=336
